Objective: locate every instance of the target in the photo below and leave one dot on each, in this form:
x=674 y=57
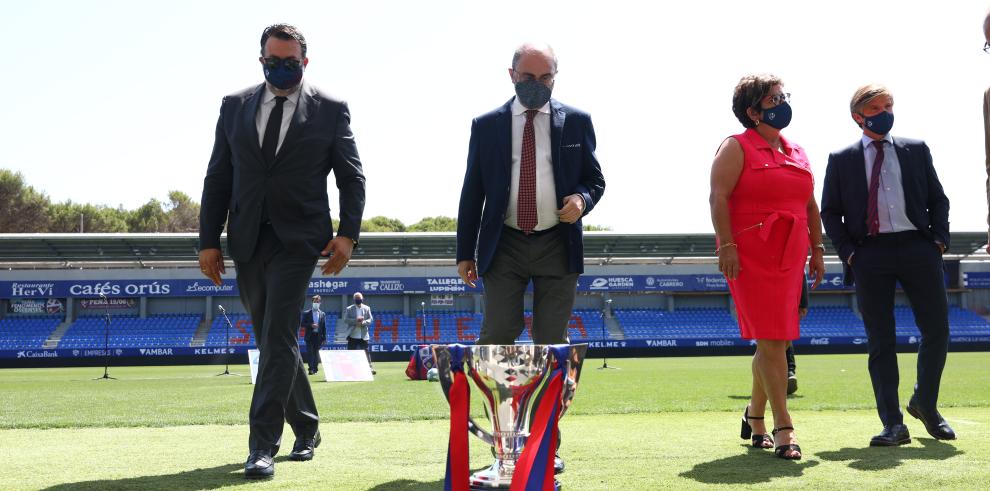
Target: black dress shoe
x=792 y=385
x=305 y=448
x=260 y=465
x=891 y=436
x=934 y=423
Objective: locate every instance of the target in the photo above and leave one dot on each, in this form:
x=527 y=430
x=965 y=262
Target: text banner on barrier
x=432 y=285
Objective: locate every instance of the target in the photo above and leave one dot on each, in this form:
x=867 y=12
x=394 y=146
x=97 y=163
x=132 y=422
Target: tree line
x=24 y=209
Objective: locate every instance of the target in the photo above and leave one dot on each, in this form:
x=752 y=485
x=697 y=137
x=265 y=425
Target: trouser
x=540 y=257
x=273 y=286
x=359 y=344
x=313 y=345
x=915 y=262
x=791 y=364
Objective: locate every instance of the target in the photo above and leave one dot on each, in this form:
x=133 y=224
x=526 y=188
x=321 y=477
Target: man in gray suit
x=276 y=144
x=358 y=317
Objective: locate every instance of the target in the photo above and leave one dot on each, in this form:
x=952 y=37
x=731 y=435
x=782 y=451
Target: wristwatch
x=821 y=246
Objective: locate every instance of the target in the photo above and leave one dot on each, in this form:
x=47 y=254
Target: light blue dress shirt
x=891 y=210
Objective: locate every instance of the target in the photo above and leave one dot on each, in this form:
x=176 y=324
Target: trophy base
x=490 y=479
x=474 y=487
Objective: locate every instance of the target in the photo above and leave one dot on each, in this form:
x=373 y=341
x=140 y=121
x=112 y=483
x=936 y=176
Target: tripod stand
x=106 y=341
x=226 y=356
x=605 y=366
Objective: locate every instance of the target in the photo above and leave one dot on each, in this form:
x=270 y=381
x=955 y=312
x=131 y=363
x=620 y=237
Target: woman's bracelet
x=723 y=246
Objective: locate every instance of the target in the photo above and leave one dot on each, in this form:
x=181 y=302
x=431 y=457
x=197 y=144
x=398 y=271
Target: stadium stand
x=27 y=332
x=242 y=332
x=682 y=323
x=166 y=330
x=464 y=327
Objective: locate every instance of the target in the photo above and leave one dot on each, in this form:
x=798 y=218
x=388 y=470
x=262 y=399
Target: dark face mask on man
x=880 y=123
x=283 y=74
x=533 y=94
x=778 y=116
x=358 y=301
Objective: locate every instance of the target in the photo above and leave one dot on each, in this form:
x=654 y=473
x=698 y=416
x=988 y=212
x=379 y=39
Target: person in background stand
x=358 y=317
x=792 y=384
x=314 y=321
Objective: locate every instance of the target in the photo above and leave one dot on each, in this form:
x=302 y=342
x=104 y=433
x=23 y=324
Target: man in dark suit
x=314 y=322
x=531 y=175
x=276 y=144
x=885 y=211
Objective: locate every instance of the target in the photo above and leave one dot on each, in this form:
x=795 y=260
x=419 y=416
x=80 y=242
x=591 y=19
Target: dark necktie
x=270 y=143
x=526 y=202
x=872 y=217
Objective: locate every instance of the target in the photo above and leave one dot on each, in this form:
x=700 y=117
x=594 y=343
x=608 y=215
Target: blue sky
x=115 y=102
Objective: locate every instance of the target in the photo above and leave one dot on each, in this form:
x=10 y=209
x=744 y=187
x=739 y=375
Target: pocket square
x=572 y=145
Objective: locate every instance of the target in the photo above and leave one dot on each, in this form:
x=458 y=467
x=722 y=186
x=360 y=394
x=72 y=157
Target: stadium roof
x=18 y=250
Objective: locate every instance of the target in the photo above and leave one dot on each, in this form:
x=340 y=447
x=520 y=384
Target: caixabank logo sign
x=37 y=354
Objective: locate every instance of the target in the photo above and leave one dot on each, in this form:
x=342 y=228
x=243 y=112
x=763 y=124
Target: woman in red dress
x=766 y=217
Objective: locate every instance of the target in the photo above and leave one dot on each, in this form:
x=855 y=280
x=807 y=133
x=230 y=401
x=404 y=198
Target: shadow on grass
x=196 y=479
x=747 y=397
x=753 y=467
x=407 y=485
x=883 y=458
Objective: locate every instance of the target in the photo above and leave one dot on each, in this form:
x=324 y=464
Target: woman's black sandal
x=759 y=440
x=781 y=451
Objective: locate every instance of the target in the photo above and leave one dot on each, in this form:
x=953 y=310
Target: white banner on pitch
x=253 y=357
x=346 y=366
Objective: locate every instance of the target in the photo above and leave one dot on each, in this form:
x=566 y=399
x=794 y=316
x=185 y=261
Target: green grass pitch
x=657 y=423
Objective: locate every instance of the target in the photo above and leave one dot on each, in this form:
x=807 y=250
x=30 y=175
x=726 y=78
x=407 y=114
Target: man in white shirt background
x=358 y=317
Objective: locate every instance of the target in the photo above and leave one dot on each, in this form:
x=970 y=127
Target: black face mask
x=778 y=116
x=358 y=301
x=283 y=74
x=533 y=94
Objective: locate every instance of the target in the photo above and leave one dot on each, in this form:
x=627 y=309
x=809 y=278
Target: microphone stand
x=106 y=341
x=226 y=356
x=605 y=340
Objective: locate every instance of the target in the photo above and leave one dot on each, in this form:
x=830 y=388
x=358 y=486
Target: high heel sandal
x=759 y=440
x=781 y=450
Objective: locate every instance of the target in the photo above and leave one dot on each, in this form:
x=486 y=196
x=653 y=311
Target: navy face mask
x=778 y=116
x=532 y=93
x=879 y=123
x=358 y=301
x=283 y=74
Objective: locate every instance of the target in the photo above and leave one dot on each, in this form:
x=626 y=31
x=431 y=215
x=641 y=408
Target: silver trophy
x=510 y=380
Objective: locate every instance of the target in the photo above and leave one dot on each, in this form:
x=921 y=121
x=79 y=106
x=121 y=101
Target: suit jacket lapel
x=503 y=123
x=907 y=170
x=557 y=116
x=250 y=126
x=858 y=171
x=304 y=106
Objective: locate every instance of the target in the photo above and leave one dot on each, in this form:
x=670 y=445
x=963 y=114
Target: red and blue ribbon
x=458 y=465
x=534 y=469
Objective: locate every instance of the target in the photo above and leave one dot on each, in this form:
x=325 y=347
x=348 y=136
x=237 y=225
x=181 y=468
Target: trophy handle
x=574 y=365
x=441 y=354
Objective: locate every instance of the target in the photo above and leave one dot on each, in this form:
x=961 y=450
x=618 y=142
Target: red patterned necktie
x=872 y=217
x=526 y=202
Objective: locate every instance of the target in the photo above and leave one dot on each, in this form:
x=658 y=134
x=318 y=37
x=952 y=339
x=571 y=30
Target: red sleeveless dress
x=769 y=219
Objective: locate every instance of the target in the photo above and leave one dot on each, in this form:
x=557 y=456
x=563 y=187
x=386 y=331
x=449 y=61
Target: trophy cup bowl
x=510 y=379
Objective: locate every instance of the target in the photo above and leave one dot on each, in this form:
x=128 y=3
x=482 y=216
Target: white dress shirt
x=891 y=211
x=546 y=190
x=265 y=110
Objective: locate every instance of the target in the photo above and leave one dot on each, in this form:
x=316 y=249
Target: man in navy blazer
x=276 y=144
x=885 y=212
x=531 y=175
